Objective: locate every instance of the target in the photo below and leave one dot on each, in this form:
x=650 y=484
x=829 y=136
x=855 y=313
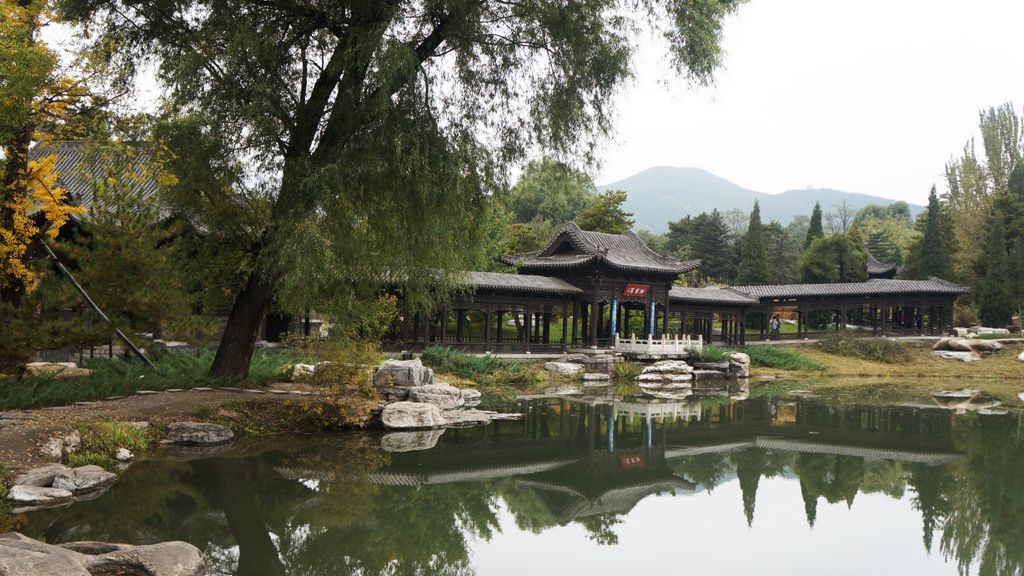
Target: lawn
x=123 y=376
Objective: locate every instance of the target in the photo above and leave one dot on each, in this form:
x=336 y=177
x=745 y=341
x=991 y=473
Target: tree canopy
x=815 y=229
x=605 y=214
x=753 y=266
x=835 y=258
x=381 y=129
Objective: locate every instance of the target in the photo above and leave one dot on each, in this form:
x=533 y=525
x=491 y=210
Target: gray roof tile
x=709 y=295
x=521 y=283
x=929 y=287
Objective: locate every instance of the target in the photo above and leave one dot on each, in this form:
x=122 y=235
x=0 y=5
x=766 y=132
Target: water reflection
x=578 y=471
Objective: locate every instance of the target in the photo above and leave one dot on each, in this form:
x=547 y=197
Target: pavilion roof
x=878 y=268
x=710 y=295
x=573 y=247
x=520 y=283
x=879 y=287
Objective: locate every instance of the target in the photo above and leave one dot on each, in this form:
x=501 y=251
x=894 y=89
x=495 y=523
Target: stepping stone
x=145 y=392
x=86 y=403
x=255 y=391
x=276 y=391
x=175 y=390
x=114 y=397
x=202 y=389
x=232 y=389
x=300 y=393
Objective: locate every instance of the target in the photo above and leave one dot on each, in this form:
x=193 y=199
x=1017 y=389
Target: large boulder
x=402 y=374
x=564 y=368
x=739 y=364
x=967 y=345
x=56 y=369
x=42 y=476
x=961 y=332
x=23 y=556
x=84 y=479
x=412 y=416
x=470 y=396
x=455 y=418
x=37 y=496
x=411 y=440
x=668 y=367
x=957 y=355
x=198 y=433
x=444 y=396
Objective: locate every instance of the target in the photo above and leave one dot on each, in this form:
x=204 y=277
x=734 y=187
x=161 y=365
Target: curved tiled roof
x=77 y=169
x=709 y=295
x=931 y=286
x=520 y=283
x=624 y=251
x=878 y=268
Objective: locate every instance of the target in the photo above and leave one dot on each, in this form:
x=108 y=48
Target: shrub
x=451 y=361
x=100 y=441
x=627 y=371
x=344 y=395
x=3 y=485
x=873 y=349
x=710 y=353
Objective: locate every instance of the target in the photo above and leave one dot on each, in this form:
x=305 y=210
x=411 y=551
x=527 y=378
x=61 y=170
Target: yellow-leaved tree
x=33 y=93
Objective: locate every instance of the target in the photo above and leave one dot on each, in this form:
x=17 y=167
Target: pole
x=60 y=266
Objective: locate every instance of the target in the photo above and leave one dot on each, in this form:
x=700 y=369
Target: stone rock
x=42 y=476
x=53 y=449
x=650 y=377
x=455 y=418
x=1020 y=357
x=84 y=479
x=141 y=425
x=302 y=372
x=124 y=455
x=668 y=366
x=470 y=396
x=71 y=442
x=967 y=345
x=986 y=346
x=981 y=330
x=403 y=374
x=56 y=369
x=957 y=355
x=739 y=364
x=390 y=394
x=564 y=368
x=444 y=396
x=412 y=416
x=24 y=556
x=706 y=375
x=960 y=332
x=601 y=360
x=198 y=433
x=410 y=441
x=596 y=377
x=719 y=366
x=22 y=495
x=574 y=358
x=676 y=378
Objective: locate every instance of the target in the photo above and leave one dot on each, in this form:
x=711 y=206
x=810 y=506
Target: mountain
x=663 y=194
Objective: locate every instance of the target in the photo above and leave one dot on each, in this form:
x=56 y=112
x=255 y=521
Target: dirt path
x=24 y=432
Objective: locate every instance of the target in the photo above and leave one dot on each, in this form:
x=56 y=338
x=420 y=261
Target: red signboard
x=632 y=460
x=636 y=290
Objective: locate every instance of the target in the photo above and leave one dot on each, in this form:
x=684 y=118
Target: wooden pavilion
x=584 y=288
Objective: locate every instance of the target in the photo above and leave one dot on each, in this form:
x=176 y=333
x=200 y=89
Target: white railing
x=668 y=344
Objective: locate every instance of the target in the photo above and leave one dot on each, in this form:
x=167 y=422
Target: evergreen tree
x=604 y=213
x=814 y=231
x=753 y=267
x=712 y=245
x=835 y=258
x=783 y=253
x=995 y=300
x=933 y=259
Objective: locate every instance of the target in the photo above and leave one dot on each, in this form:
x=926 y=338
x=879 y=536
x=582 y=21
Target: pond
x=769 y=485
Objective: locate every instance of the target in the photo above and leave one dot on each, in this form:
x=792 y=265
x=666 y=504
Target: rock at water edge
x=402 y=374
x=84 y=479
x=42 y=476
x=467 y=418
x=444 y=396
x=198 y=433
x=412 y=416
x=24 y=556
x=564 y=368
x=21 y=495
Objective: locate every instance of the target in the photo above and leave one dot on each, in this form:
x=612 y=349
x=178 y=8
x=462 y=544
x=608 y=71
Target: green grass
x=873 y=349
x=498 y=380
x=3 y=486
x=465 y=365
x=100 y=441
x=781 y=358
x=710 y=353
x=123 y=376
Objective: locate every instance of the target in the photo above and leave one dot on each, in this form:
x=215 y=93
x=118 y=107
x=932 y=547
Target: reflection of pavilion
x=593 y=456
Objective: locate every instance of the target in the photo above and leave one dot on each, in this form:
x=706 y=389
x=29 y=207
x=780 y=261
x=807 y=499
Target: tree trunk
x=236 y=345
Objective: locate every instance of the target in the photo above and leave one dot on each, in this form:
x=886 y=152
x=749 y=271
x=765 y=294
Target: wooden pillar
x=527 y=312
x=594 y=319
x=444 y=325
x=625 y=314
x=575 y=320
x=460 y=317
x=665 y=314
x=547 y=327
x=405 y=325
x=842 y=315
x=743 y=328
x=501 y=325
x=565 y=325
x=487 y=327
x=426 y=329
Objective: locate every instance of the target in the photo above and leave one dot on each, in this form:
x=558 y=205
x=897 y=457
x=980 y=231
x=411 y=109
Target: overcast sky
x=872 y=96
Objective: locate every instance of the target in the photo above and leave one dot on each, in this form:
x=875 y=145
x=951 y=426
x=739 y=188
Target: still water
x=764 y=486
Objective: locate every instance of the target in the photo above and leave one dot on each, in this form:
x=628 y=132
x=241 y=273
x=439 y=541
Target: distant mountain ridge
x=663 y=194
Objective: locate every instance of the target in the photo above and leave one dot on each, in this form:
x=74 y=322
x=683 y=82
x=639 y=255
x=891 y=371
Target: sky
x=872 y=96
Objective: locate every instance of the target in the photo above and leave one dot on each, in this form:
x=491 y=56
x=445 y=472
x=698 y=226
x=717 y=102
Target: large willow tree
x=381 y=127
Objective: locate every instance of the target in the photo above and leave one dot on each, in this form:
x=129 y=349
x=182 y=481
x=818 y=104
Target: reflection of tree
x=527 y=507
x=930 y=483
x=708 y=470
x=836 y=478
x=750 y=466
x=599 y=528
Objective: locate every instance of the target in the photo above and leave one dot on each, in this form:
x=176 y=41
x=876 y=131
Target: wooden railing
x=668 y=345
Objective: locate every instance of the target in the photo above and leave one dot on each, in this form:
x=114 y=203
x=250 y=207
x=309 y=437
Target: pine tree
x=753 y=267
x=713 y=247
x=815 y=230
x=933 y=260
x=996 y=304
